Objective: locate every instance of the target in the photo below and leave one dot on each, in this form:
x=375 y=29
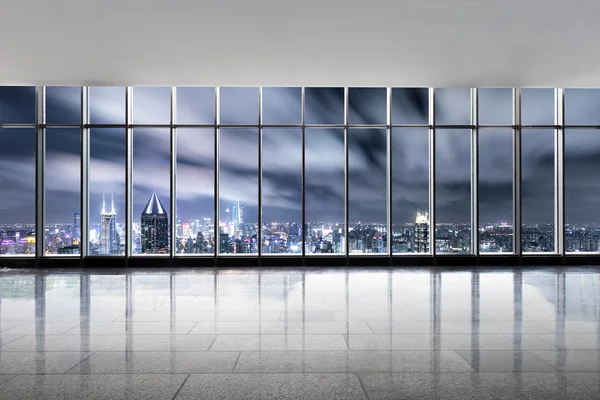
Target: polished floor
x=307 y=334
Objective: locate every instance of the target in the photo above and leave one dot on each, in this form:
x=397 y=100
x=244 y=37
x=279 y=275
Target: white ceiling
x=547 y=43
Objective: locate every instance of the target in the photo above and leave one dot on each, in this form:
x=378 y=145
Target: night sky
x=282 y=151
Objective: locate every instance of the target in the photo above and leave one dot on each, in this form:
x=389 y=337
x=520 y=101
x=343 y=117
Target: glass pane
x=582 y=107
x=151 y=105
x=107 y=104
x=537 y=192
x=17 y=104
x=324 y=190
x=495 y=106
x=410 y=106
x=537 y=106
x=63 y=165
x=238 y=190
x=367 y=191
x=324 y=105
x=495 y=190
x=107 y=191
x=453 y=106
x=195 y=105
x=582 y=190
x=367 y=105
x=410 y=190
x=63 y=105
x=239 y=105
x=453 y=191
x=195 y=191
x=17 y=191
x=282 y=190
x=151 y=190
x=281 y=105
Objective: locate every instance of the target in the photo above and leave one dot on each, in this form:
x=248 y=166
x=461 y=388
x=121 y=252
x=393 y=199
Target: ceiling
x=494 y=43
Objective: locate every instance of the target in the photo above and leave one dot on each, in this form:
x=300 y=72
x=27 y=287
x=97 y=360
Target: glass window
x=582 y=190
x=453 y=106
x=17 y=104
x=107 y=191
x=325 y=191
x=151 y=105
x=107 y=104
x=367 y=191
x=410 y=190
x=238 y=190
x=453 y=191
x=537 y=106
x=281 y=105
x=495 y=106
x=537 y=190
x=495 y=190
x=582 y=107
x=196 y=105
x=62 y=197
x=367 y=106
x=195 y=191
x=324 y=105
x=151 y=191
x=17 y=191
x=239 y=105
x=282 y=190
x=410 y=106
x=63 y=105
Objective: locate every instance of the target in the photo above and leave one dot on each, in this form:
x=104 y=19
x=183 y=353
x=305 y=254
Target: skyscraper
x=155 y=227
x=422 y=233
x=76 y=227
x=109 y=237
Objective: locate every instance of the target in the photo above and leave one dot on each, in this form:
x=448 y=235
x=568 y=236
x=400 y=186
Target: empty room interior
x=299 y=200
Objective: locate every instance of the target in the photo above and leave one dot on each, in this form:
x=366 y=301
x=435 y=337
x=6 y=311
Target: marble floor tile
x=272 y=386
x=4 y=325
x=92 y=387
x=572 y=360
x=47 y=327
x=6 y=339
x=39 y=363
x=572 y=341
x=5 y=378
x=133 y=328
x=505 y=361
x=278 y=342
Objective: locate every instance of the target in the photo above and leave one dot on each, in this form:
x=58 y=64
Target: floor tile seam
x=236 y=362
x=3 y=332
x=193 y=327
x=362 y=386
x=114 y=319
x=255 y=351
x=11 y=341
x=181 y=386
x=212 y=343
x=547 y=341
x=307 y=373
x=79 y=363
x=370 y=327
x=10 y=379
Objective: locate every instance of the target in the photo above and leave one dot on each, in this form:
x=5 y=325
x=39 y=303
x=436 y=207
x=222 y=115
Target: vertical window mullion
x=475 y=172
x=517 y=216
x=346 y=171
x=40 y=206
x=389 y=173
x=173 y=170
x=432 y=205
x=128 y=172
x=217 y=225
x=259 y=234
x=559 y=186
x=85 y=175
x=303 y=194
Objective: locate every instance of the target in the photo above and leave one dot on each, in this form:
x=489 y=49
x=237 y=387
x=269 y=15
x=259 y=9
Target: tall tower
x=76 y=227
x=110 y=242
x=155 y=227
x=422 y=233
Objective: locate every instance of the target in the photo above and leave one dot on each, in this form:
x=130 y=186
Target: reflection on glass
x=410 y=190
x=239 y=105
x=238 y=190
x=453 y=191
x=324 y=105
x=281 y=105
x=453 y=106
x=324 y=191
x=195 y=191
x=537 y=107
x=367 y=187
x=495 y=106
x=495 y=190
x=581 y=106
x=582 y=233
x=151 y=191
x=537 y=190
x=62 y=201
x=151 y=105
x=367 y=106
x=282 y=191
x=107 y=104
x=63 y=105
x=17 y=104
x=410 y=106
x=107 y=191
x=195 y=105
x=17 y=194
